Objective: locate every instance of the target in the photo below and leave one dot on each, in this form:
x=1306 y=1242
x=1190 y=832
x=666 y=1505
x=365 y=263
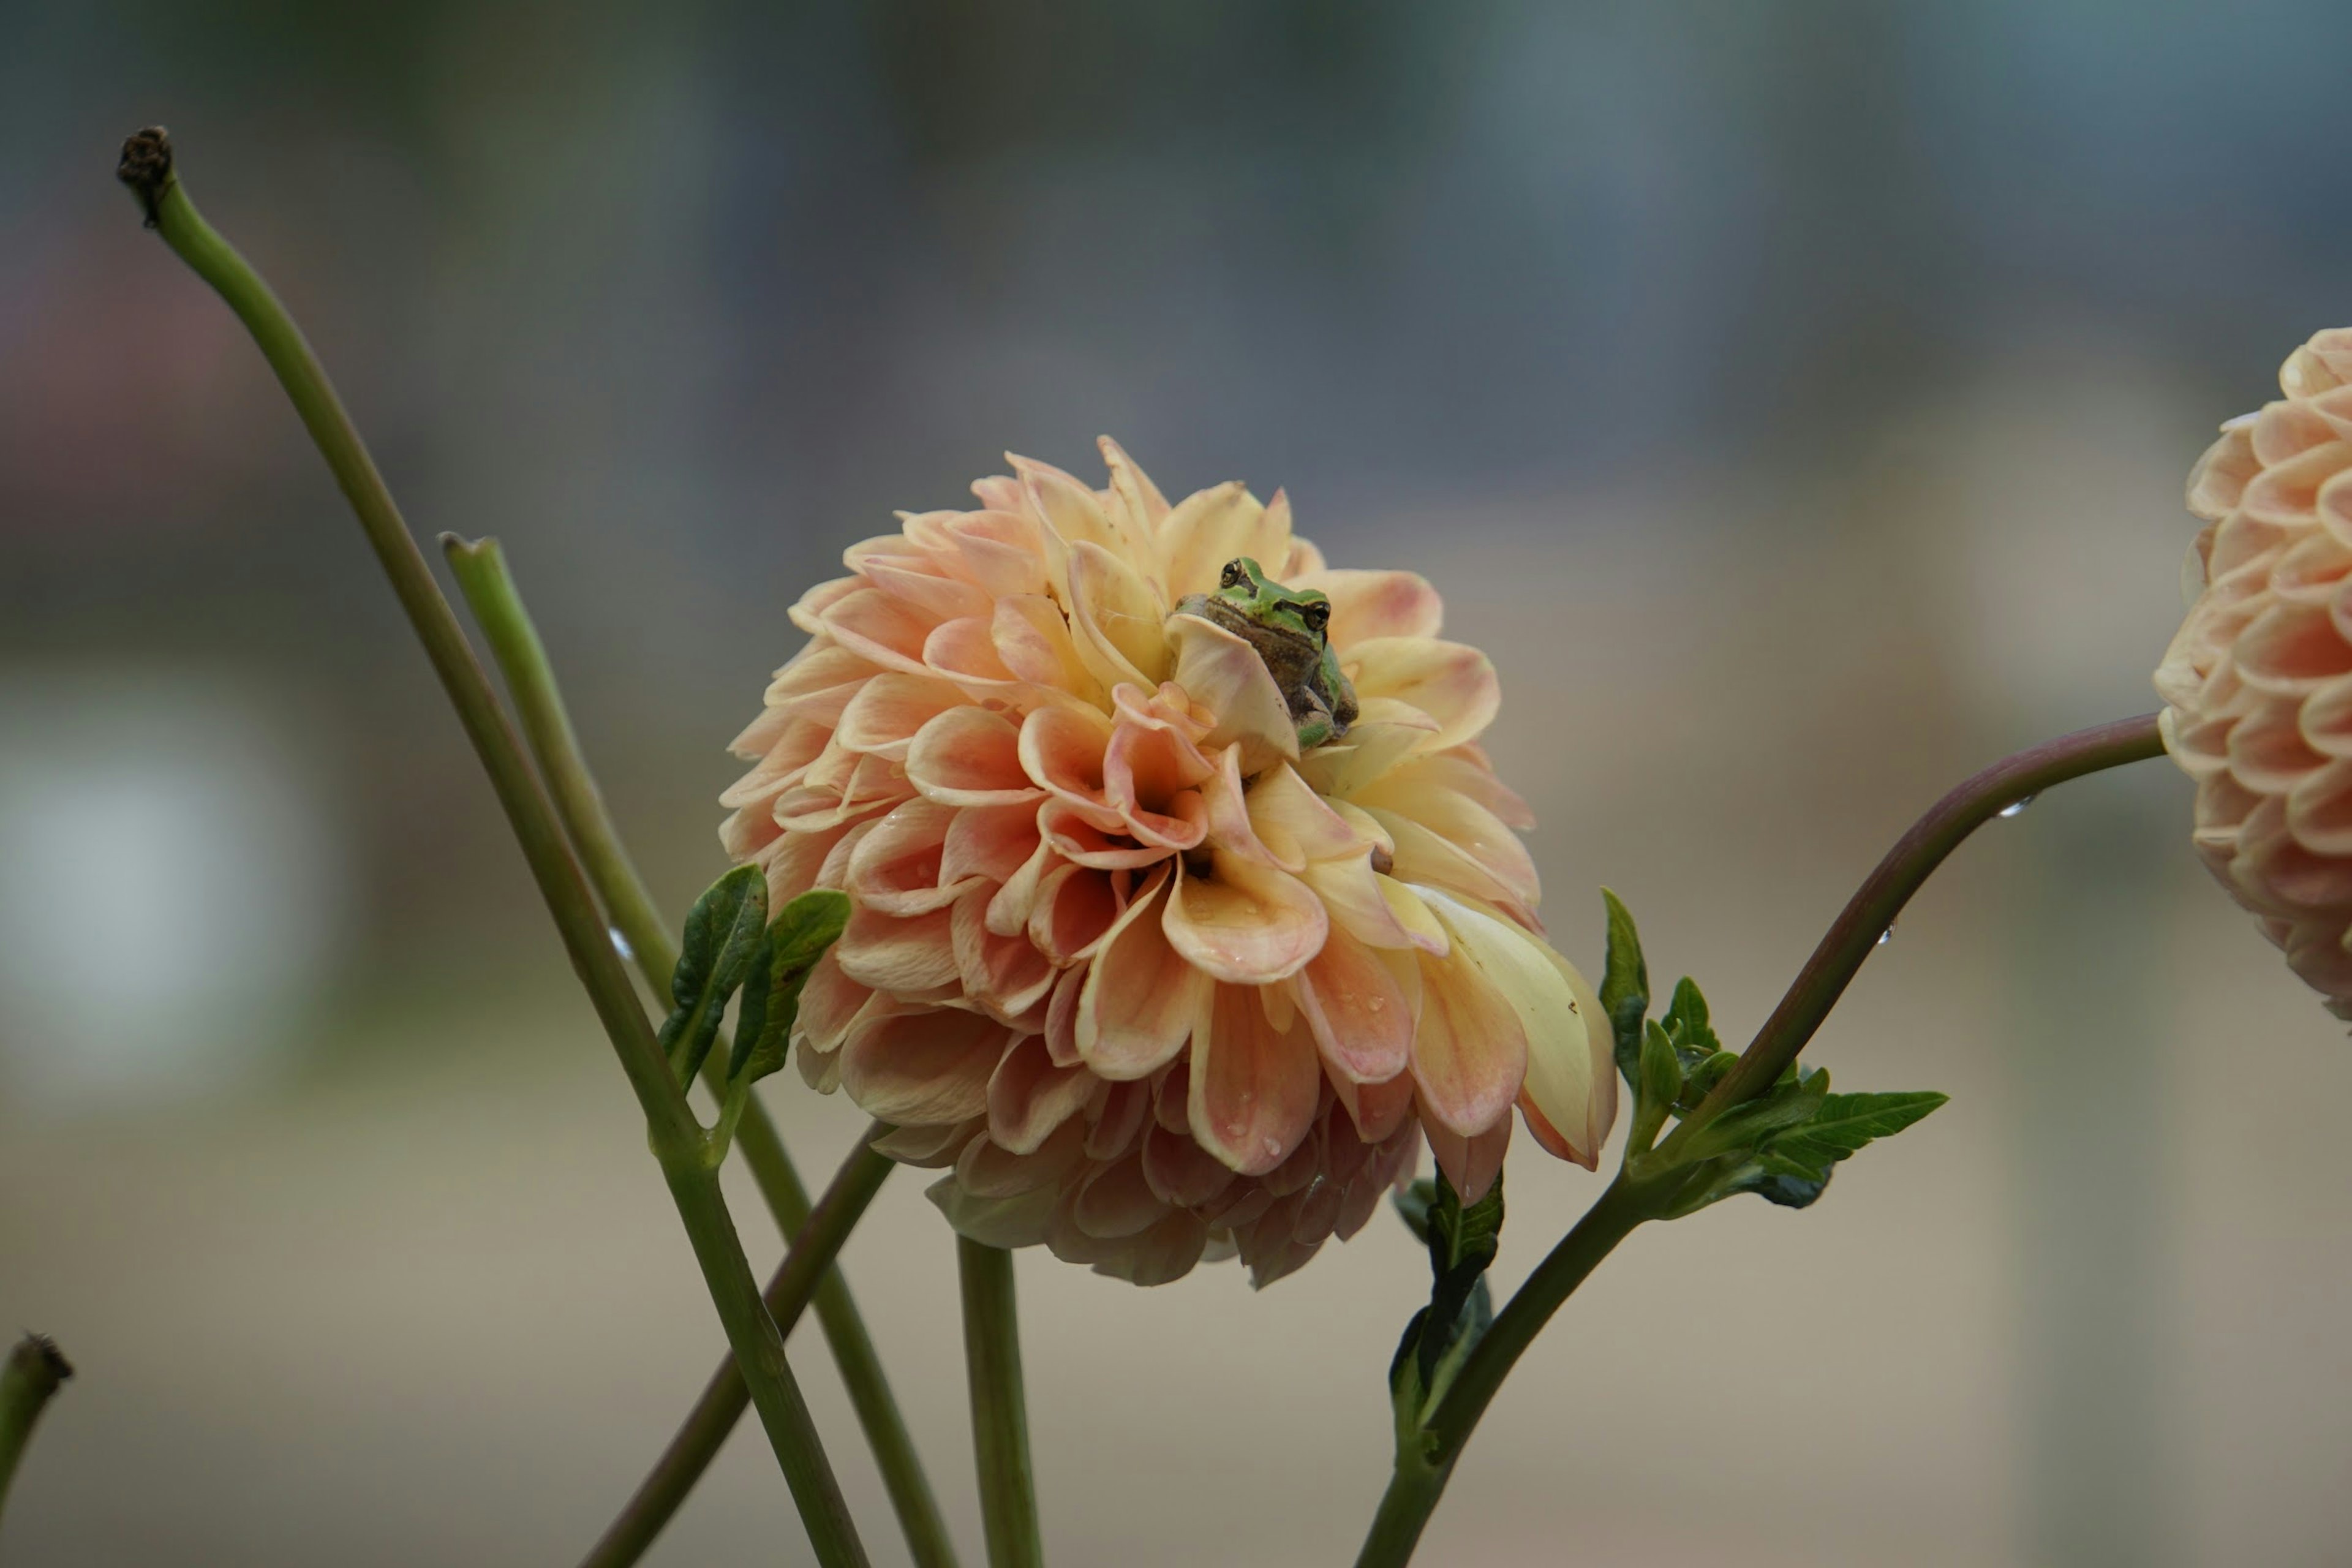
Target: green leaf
x=1624 y=987
x=1463 y=1241
x=1686 y=1023
x=725 y=933
x=795 y=939
x=1845 y=1122
x=1746 y=1127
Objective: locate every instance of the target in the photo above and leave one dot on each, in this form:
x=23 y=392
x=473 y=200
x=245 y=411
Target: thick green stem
x=27 y=1378
x=672 y=1131
x=999 y=1416
x=490 y=591
x=1647 y=1187
x=807 y=1268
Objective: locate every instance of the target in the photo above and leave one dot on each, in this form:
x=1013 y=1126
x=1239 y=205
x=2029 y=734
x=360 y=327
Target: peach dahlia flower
x=2258 y=684
x=1153 y=984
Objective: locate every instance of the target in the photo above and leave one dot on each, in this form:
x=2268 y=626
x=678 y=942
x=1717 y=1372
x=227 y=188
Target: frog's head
x=1300 y=611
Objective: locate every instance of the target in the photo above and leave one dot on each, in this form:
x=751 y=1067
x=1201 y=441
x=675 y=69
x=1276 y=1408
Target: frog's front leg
x=1316 y=724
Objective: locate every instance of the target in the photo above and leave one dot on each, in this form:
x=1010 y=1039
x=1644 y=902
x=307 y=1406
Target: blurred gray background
x=1794 y=398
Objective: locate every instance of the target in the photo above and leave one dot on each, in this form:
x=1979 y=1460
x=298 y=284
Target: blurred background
x=1795 y=400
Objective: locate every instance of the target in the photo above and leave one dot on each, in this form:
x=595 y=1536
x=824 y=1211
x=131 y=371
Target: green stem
x=807 y=1268
x=28 y=1379
x=671 y=1128
x=1000 y=1416
x=490 y=591
x=1649 y=1184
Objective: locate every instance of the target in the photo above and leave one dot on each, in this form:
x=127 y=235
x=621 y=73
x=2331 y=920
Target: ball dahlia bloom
x=1149 y=979
x=2258 y=684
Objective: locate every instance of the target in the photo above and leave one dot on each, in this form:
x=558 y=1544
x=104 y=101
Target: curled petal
x=1140 y=997
x=991 y=842
x=1034 y=642
x=1471 y=1054
x=1297 y=824
x=1115 y=619
x=1572 y=1078
x=964 y=651
x=969 y=756
x=1117 y=1201
x=1181 y=1171
x=1074 y=911
x=904 y=957
x=1213 y=526
x=1453 y=683
x=1244 y=922
x=1252 y=1089
x=895 y=869
x=1006 y=975
x=1061 y=750
x=1021 y=1221
x=1072 y=833
x=1378 y=1111
x=1029 y=1097
x=1224 y=675
x=889 y=632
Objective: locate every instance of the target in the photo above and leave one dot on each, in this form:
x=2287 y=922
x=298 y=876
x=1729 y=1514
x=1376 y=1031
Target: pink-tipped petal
x=1359 y=1009
x=1452 y=683
x=1368 y=605
x=1252 y=1091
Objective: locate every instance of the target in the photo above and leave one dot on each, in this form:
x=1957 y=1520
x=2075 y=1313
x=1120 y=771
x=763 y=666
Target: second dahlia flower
x=1186 y=904
x=2258 y=683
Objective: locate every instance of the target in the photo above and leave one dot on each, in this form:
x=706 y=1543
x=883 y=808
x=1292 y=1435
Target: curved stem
x=673 y=1132
x=490 y=591
x=1634 y=1197
x=806 y=1267
x=999 y=1416
x=28 y=1379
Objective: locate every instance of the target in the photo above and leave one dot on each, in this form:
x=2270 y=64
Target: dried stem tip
x=146 y=167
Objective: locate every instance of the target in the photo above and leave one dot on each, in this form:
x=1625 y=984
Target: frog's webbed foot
x=1316 y=722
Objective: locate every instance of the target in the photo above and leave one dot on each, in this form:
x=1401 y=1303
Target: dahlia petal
x=1425 y=859
x=895 y=870
x=1386 y=734
x=1118 y=1118
x=1140 y=997
x=889 y=632
x=1376 y=1110
x=1074 y=912
x=1453 y=683
x=999 y=549
x=1029 y=1098
x=1180 y=1170
x=1137 y=504
x=1009 y=911
x=1034 y=642
x=1006 y=974
x=1361 y=1015
x=1165 y=1252
x=1211 y=526
x=986 y=1169
x=1061 y=750
x=1368 y=605
x=1115 y=619
x=929 y=1147
x=1244 y=923
x=927 y=1066
x=1253 y=1091
x=964 y=651
x=809 y=613
x=1470 y=1164
x=1225 y=674
x=940 y=597
x=1298 y=825
x=1151 y=775
x=1462 y=822
x=1470 y=1057
x=1071 y=833
x=1571 y=1076
x=899 y=956
x=1117 y=1201
x=994 y=1222
x=991 y=842
x=1071 y=514
x=969 y=756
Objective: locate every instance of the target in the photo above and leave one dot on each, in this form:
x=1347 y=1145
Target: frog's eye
x=1317 y=614
x=1231 y=575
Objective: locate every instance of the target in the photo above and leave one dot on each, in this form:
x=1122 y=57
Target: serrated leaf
x=1750 y=1125
x=725 y=933
x=795 y=939
x=1847 y=1123
x=1624 y=987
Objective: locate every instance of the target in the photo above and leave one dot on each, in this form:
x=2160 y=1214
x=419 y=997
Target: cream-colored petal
x=1224 y=675
x=1211 y=526
x=1470 y=1056
x=1244 y=922
x=969 y=756
x=1116 y=619
x=1452 y=682
x=1368 y=605
x=884 y=716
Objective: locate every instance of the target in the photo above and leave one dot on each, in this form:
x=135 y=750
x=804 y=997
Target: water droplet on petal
x=621 y=945
x=2017 y=807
